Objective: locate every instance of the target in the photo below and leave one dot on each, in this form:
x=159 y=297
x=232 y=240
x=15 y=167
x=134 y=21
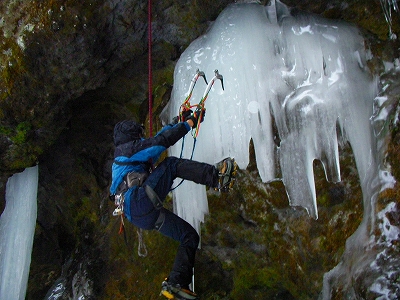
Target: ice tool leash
x=185 y=106
x=200 y=107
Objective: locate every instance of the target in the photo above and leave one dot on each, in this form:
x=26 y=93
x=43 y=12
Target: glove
x=175 y=120
x=195 y=116
x=186 y=114
x=200 y=112
x=182 y=117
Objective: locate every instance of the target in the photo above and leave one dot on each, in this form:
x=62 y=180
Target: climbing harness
x=119 y=212
x=131 y=179
x=135 y=178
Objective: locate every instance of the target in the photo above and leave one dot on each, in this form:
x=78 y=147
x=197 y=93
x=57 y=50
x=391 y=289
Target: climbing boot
x=175 y=291
x=227 y=169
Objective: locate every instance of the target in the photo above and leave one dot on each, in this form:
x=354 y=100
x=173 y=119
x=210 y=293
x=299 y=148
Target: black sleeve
x=166 y=138
x=170 y=136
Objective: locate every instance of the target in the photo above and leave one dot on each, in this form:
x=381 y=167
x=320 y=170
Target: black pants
x=161 y=180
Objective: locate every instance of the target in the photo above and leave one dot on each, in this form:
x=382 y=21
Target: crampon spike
x=167 y=294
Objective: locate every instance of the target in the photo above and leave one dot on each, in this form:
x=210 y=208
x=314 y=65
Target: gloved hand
x=175 y=120
x=186 y=114
x=198 y=113
x=182 y=117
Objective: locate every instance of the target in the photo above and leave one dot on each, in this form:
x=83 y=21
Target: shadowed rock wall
x=71 y=69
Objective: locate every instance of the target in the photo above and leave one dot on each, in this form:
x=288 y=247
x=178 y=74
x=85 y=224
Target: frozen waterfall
x=303 y=74
x=17 y=227
x=298 y=85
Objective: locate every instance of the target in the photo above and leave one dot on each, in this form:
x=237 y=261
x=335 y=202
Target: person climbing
x=139 y=190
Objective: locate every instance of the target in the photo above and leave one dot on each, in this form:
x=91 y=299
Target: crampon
x=175 y=291
x=227 y=169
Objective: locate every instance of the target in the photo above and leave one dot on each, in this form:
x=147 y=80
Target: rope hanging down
x=142 y=250
x=150 y=71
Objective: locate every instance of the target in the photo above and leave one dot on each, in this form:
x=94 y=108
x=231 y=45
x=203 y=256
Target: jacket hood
x=126 y=131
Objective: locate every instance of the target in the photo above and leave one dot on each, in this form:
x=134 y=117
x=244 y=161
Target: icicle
x=388 y=6
x=17 y=227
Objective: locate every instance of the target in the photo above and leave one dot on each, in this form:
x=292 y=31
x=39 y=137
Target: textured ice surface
x=17 y=227
x=303 y=74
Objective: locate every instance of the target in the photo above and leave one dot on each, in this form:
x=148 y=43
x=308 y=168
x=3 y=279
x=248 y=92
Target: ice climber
x=139 y=190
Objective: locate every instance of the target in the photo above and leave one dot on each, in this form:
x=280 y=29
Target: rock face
x=52 y=53
x=71 y=69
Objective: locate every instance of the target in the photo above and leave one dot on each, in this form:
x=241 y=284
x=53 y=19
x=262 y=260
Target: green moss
x=20 y=157
x=253 y=281
x=86 y=211
x=23 y=150
x=134 y=276
x=5 y=131
x=21 y=133
x=12 y=67
x=366 y=14
x=323 y=200
x=280 y=249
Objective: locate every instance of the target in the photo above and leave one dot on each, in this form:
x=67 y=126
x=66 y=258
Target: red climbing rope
x=142 y=250
x=150 y=72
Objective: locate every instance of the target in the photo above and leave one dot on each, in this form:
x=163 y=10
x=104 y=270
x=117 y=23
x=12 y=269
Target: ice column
x=17 y=227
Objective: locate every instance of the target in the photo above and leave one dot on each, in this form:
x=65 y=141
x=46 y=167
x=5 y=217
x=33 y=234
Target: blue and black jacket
x=142 y=153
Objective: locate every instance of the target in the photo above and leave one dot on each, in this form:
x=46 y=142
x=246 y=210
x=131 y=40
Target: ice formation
x=389 y=6
x=17 y=227
x=303 y=74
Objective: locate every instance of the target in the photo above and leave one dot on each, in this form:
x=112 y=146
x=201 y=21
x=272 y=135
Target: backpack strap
x=128 y=163
x=153 y=197
x=148 y=165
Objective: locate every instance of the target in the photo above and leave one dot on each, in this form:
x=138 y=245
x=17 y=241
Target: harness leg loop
x=153 y=197
x=160 y=221
x=157 y=204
